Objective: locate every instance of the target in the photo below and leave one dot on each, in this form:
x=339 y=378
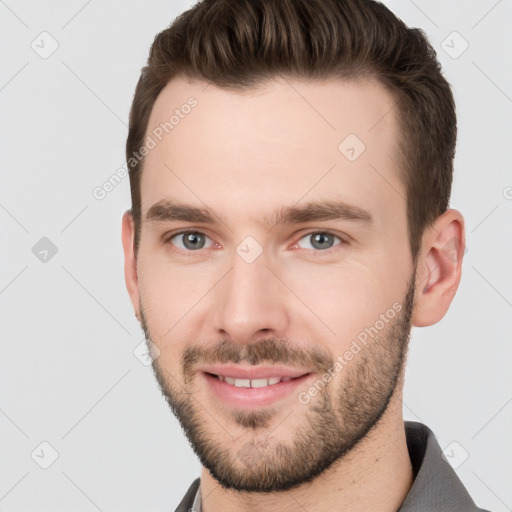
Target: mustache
x=269 y=350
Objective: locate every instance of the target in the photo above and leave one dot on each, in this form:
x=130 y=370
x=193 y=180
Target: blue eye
x=190 y=240
x=320 y=240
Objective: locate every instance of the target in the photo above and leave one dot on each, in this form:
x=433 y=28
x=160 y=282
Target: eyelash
x=311 y=251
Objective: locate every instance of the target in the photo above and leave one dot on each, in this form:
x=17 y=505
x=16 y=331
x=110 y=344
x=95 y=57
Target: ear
x=439 y=268
x=130 y=261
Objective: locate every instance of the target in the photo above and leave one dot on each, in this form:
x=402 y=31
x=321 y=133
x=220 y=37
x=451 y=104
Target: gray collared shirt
x=436 y=486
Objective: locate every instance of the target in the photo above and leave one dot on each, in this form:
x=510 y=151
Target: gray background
x=69 y=375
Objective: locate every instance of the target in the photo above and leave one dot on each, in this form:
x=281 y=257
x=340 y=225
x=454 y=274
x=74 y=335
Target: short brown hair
x=239 y=44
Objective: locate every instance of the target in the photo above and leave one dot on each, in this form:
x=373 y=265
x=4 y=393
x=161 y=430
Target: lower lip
x=253 y=397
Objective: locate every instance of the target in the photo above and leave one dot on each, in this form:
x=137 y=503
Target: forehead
x=285 y=141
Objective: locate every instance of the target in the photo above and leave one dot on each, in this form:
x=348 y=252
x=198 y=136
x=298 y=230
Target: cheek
x=346 y=298
x=168 y=300
x=168 y=293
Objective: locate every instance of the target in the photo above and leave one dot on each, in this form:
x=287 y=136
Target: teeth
x=254 y=383
x=259 y=383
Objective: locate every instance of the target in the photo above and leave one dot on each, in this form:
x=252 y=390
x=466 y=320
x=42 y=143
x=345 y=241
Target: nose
x=250 y=303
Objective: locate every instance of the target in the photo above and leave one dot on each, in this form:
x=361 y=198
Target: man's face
x=253 y=288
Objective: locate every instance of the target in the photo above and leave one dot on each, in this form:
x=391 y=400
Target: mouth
x=252 y=383
x=255 y=387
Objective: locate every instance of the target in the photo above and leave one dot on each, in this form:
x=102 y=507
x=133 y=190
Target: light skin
x=244 y=156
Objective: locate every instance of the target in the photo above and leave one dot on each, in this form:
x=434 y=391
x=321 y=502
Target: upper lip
x=258 y=372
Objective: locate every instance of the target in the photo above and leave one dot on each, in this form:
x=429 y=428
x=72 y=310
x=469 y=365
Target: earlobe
x=440 y=268
x=130 y=261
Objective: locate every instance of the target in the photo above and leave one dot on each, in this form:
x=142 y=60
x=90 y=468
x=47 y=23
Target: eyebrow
x=166 y=210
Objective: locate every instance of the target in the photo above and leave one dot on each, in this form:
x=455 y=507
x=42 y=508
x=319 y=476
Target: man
x=290 y=169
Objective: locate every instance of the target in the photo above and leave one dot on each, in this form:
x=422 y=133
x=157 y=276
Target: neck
x=375 y=475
